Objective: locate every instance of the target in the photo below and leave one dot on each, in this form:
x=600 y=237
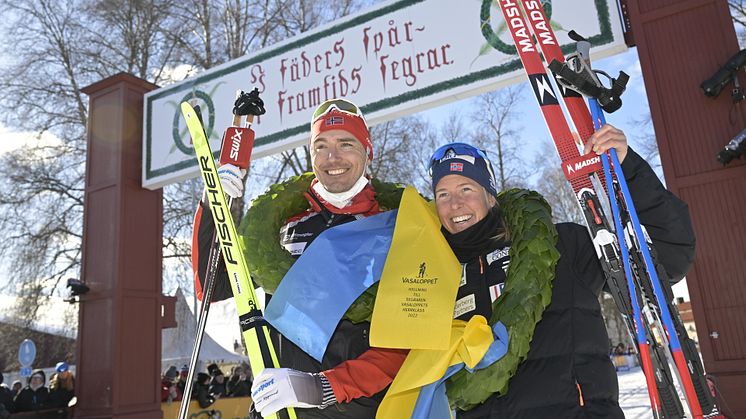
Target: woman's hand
x=605 y=138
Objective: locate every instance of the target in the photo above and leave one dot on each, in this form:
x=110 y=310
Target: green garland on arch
x=527 y=291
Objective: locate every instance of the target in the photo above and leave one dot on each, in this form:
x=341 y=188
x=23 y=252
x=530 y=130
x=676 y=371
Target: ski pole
x=642 y=342
x=212 y=263
x=580 y=116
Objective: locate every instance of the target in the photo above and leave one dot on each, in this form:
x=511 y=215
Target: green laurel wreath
x=260 y=228
x=527 y=291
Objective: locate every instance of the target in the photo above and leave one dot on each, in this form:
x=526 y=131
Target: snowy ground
x=633 y=395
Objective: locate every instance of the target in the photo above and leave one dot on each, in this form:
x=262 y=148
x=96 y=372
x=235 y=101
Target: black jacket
x=60 y=397
x=202 y=394
x=238 y=388
x=349 y=340
x=6 y=398
x=29 y=400
x=569 y=351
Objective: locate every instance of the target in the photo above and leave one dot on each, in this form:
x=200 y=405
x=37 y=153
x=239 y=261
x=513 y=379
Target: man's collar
x=363 y=203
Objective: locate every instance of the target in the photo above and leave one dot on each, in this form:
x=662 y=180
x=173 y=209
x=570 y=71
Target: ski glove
x=275 y=389
x=231 y=177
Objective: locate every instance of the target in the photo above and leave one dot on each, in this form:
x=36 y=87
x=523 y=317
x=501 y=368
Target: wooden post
x=119 y=334
x=682 y=43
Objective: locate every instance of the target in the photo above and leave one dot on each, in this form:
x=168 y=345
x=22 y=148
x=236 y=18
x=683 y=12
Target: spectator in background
x=230 y=384
x=61 y=386
x=169 y=391
x=171 y=373
x=201 y=391
x=217 y=385
x=181 y=383
x=238 y=385
x=35 y=396
x=620 y=349
x=6 y=397
x=211 y=369
x=16 y=388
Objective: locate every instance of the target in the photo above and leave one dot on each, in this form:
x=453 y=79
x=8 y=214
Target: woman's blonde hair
x=63 y=380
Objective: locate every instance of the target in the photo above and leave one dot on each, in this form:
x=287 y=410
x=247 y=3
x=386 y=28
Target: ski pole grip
x=237 y=145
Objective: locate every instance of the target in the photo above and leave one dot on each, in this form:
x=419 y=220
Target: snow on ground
x=633 y=394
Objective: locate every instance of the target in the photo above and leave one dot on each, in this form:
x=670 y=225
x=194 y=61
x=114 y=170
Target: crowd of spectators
x=208 y=386
x=36 y=396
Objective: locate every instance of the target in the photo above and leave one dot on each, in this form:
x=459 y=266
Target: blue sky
x=533 y=130
x=635 y=107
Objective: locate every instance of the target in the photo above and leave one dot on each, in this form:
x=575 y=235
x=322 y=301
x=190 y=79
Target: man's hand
x=278 y=388
x=605 y=138
x=231 y=177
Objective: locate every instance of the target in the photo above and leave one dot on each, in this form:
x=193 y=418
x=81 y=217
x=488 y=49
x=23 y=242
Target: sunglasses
x=459 y=149
x=340 y=105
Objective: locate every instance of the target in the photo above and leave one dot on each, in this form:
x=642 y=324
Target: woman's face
x=461 y=202
x=36 y=381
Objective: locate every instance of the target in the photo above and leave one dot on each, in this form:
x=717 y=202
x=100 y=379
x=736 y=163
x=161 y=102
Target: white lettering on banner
x=398 y=58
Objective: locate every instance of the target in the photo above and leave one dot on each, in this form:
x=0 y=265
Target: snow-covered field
x=633 y=395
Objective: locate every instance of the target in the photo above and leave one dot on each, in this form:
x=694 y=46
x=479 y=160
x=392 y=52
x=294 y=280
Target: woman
x=567 y=372
x=61 y=386
x=35 y=396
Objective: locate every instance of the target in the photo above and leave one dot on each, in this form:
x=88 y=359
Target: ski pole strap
x=577 y=72
x=584 y=80
x=249 y=104
x=611 y=99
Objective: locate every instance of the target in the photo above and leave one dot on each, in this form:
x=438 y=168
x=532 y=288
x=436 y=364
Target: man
x=351 y=379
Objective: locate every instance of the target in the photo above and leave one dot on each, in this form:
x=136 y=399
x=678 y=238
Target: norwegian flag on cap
x=335 y=120
x=354 y=124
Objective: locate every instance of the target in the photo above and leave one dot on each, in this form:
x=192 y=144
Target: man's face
x=338 y=159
